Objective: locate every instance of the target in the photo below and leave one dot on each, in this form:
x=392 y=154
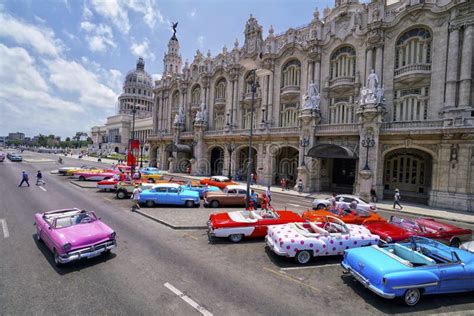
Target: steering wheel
x=327 y=226
x=86 y=220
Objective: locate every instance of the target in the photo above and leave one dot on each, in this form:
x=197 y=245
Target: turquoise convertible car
x=409 y=270
x=170 y=194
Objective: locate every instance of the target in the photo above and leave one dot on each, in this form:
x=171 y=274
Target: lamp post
x=252 y=66
x=304 y=143
x=230 y=149
x=141 y=154
x=367 y=142
x=134 y=111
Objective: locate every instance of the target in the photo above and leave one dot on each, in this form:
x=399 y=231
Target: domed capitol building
x=373 y=96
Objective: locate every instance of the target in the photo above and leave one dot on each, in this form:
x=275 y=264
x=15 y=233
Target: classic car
x=469 y=246
x=343 y=200
x=408 y=270
x=232 y=195
x=73 y=234
x=431 y=228
x=14 y=157
x=150 y=170
x=218 y=181
x=169 y=193
x=124 y=189
x=346 y=215
x=303 y=241
x=252 y=224
x=63 y=170
x=93 y=176
x=111 y=183
x=201 y=188
x=388 y=232
x=71 y=172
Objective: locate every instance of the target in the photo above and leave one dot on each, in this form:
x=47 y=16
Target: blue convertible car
x=169 y=193
x=409 y=270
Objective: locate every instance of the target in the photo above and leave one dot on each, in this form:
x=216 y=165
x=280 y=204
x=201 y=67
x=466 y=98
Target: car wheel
x=215 y=204
x=56 y=258
x=412 y=297
x=81 y=178
x=189 y=204
x=455 y=243
x=303 y=257
x=320 y=206
x=236 y=237
x=150 y=203
x=38 y=237
x=121 y=195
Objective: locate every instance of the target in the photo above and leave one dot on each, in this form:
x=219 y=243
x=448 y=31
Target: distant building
x=16 y=136
x=137 y=92
x=2 y=140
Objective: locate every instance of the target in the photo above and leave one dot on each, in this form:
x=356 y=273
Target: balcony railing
x=290 y=90
x=351 y=128
x=342 y=81
x=435 y=124
x=413 y=69
x=218 y=103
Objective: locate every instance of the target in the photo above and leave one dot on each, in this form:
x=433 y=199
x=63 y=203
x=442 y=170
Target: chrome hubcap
x=303 y=257
x=412 y=297
x=235 y=238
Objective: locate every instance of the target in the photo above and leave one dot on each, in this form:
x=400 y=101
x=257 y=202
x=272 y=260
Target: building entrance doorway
x=217 y=161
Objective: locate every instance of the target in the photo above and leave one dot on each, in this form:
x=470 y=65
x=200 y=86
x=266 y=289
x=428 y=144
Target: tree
x=68 y=139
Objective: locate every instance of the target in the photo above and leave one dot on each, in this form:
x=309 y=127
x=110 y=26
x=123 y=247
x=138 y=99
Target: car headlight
x=112 y=236
x=384 y=281
x=389 y=239
x=67 y=246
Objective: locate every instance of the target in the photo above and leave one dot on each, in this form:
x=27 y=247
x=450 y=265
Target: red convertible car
x=388 y=232
x=218 y=181
x=239 y=224
x=431 y=228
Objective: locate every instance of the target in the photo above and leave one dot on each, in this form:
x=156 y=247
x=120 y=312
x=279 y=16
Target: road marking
x=6 y=234
x=188 y=300
x=297 y=205
x=310 y=267
x=42 y=188
x=288 y=277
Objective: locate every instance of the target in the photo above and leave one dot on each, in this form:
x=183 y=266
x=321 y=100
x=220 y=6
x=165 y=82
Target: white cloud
x=192 y=13
x=156 y=76
x=41 y=39
x=99 y=36
x=142 y=49
x=200 y=41
x=39 y=20
x=87 y=13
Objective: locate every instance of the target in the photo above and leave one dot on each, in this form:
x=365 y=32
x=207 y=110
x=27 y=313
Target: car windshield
x=406 y=223
x=75 y=219
x=364 y=200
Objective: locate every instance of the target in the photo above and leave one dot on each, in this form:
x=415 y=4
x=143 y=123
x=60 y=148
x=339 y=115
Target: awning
x=331 y=151
x=178 y=148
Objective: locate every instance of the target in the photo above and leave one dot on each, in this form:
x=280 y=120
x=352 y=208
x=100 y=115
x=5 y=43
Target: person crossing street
x=39 y=178
x=136 y=198
x=24 y=178
x=396 y=199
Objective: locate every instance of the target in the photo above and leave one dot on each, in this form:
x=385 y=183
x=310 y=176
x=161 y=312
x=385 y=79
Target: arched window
x=413 y=47
x=343 y=62
x=247 y=118
x=219 y=121
x=220 y=90
x=248 y=82
x=175 y=100
x=411 y=104
x=289 y=115
x=291 y=74
x=196 y=96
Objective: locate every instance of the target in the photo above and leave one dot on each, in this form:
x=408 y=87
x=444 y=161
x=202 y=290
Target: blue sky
x=63 y=62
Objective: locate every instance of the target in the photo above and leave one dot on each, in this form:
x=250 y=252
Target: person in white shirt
x=269 y=194
x=136 y=198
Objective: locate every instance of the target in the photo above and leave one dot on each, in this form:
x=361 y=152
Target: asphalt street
x=160 y=271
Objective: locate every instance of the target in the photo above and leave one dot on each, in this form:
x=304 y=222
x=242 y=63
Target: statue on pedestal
x=312 y=98
x=201 y=114
x=179 y=118
x=372 y=81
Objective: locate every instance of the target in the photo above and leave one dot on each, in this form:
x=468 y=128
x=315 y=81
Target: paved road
x=222 y=278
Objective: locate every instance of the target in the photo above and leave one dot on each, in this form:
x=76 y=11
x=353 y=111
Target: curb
x=80 y=186
x=168 y=224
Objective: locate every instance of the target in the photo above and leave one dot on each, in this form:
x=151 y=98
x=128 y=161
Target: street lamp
x=251 y=65
x=230 y=148
x=304 y=143
x=368 y=142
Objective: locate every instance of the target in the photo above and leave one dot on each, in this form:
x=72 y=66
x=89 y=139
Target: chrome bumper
x=366 y=282
x=89 y=252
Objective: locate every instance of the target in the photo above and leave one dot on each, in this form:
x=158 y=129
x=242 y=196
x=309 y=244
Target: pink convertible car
x=93 y=176
x=73 y=234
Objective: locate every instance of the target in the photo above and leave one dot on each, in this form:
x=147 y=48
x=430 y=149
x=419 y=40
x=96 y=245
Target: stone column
x=379 y=62
x=452 y=70
x=466 y=69
x=200 y=164
x=317 y=74
x=308 y=119
x=368 y=64
x=310 y=71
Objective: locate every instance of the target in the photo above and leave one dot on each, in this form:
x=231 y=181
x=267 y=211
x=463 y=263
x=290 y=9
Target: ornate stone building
x=137 y=93
x=391 y=105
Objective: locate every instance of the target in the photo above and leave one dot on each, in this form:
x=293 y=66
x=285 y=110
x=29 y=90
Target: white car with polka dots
x=303 y=241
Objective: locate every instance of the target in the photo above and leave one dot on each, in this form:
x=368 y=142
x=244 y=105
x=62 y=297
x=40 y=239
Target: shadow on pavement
x=73 y=266
x=286 y=262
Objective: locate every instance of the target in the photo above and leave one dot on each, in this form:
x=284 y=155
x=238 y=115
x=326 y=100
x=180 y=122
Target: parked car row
x=15 y=157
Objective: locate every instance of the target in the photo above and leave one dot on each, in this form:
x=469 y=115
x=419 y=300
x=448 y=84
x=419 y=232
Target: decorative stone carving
x=312 y=99
x=201 y=114
x=180 y=117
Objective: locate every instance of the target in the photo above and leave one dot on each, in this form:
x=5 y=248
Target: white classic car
x=343 y=201
x=312 y=239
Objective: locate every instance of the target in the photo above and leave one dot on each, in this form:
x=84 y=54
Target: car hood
x=83 y=235
x=385 y=230
x=221 y=219
x=372 y=263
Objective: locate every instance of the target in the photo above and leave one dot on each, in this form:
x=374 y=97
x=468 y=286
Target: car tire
x=455 y=243
x=215 y=204
x=236 y=238
x=412 y=297
x=81 y=178
x=121 y=195
x=303 y=257
x=150 y=203
x=189 y=204
x=38 y=237
x=56 y=258
x=320 y=206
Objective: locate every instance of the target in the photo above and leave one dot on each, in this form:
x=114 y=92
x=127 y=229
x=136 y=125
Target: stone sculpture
x=312 y=98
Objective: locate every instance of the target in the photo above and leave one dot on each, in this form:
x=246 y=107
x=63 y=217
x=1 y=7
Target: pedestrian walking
x=287 y=184
x=136 y=198
x=24 y=178
x=255 y=178
x=39 y=178
x=333 y=201
x=373 y=195
x=283 y=184
x=269 y=194
x=252 y=179
x=396 y=199
x=300 y=186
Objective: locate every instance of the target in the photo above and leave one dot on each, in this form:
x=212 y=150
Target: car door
x=160 y=195
x=241 y=196
x=47 y=230
x=172 y=197
x=230 y=197
x=454 y=277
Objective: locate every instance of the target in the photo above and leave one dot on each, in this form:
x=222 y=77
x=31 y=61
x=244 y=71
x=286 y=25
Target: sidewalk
x=385 y=205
